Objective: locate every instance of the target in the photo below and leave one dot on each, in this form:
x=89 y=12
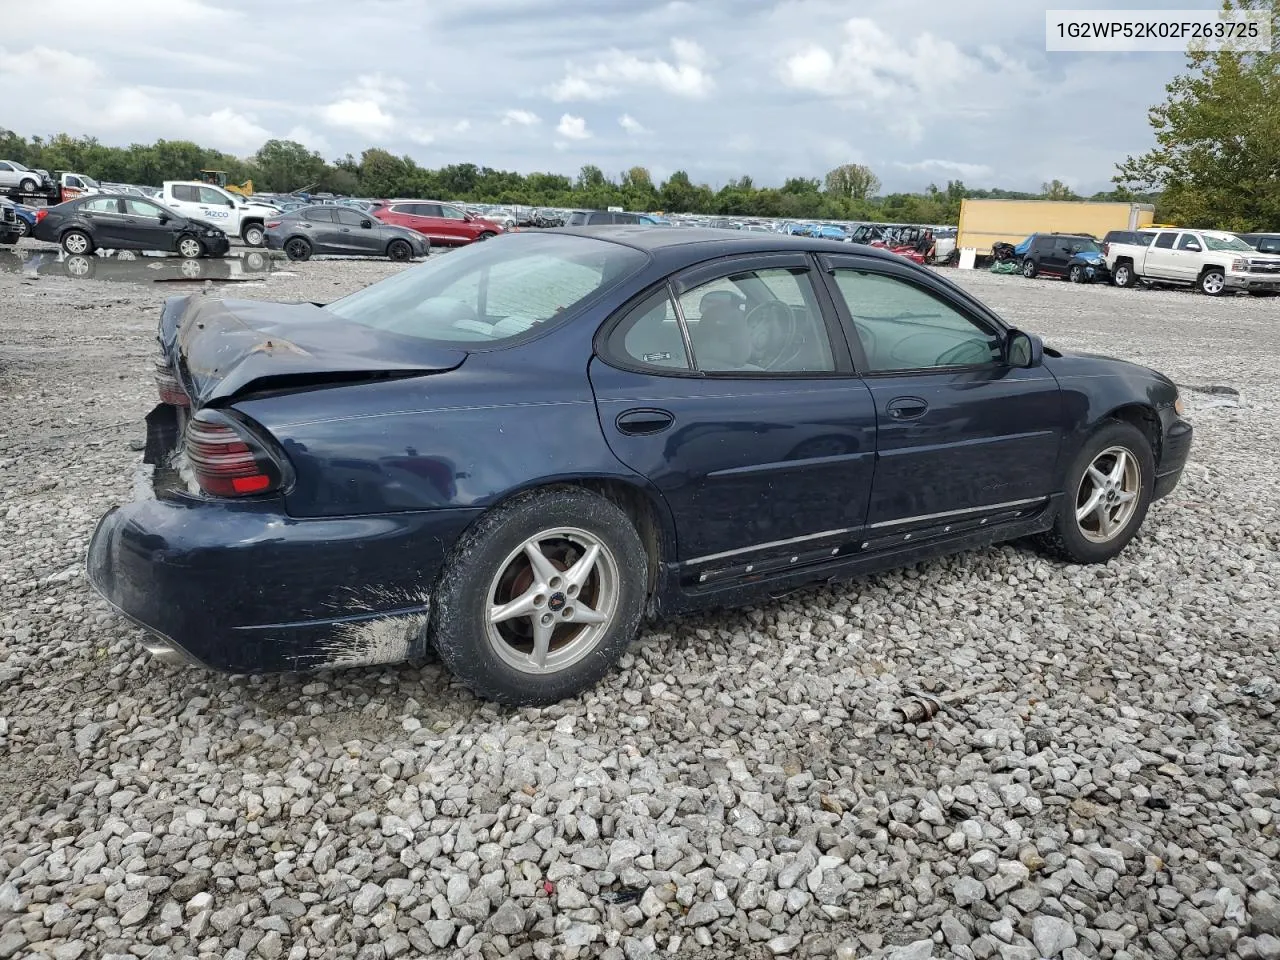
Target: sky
x=922 y=91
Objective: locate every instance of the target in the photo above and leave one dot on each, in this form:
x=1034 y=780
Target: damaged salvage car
x=518 y=451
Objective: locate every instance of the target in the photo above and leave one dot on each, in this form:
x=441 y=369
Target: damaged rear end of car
x=217 y=556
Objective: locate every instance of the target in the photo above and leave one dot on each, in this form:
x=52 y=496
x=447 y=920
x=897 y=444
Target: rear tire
x=77 y=242
x=1029 y=268
x=1094 y=520
x=399 y=250
x=1123 y=276
x=297 y=248
x=491 y=569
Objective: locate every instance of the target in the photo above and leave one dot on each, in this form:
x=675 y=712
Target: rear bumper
x=245 y=588
x=1174 y=453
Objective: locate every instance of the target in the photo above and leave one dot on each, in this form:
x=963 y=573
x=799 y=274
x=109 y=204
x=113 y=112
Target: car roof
x=653 y=238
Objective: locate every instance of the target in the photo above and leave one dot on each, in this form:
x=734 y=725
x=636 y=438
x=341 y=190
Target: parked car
x=233 y=214
x=1262 y=242
x=596 y=218
x=442 y=223
x=342 y=230
x=11 y=230
x=15 y=177
x=105 y=221
x=1212 y=261
x=517 y=451
x=26 y=219
x=1076 y=257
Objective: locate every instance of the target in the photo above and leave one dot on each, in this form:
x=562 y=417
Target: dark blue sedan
x=521 y=450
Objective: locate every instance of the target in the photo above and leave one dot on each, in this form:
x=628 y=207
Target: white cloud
x=572 y=128
x=630 y=124
x=56 y=68
x=309 y=139
x=520 y=118
x=686 y=75
x=94 y=16
x=949 y=167
x=366 y=106
x=871 y=69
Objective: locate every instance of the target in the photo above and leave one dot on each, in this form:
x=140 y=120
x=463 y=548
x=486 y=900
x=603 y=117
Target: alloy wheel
x=1213 y=283
x=76 y=243
x=1108 y=494
x=552 y=601
x=189 y=247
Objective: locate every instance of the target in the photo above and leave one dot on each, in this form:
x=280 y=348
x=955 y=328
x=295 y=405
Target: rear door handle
x=907 y=408
x=643 y=422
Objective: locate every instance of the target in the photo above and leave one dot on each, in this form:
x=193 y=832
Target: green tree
x=852 y=181
x=1057 y=190
x=285 y=165
x=1217 y=155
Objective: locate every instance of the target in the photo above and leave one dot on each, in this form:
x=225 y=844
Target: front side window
x=142 y=208
x=348 y=218
x=904 y=327
x=488 y=293
x=7 y=168
x=1269 y=245
x=1165 y=241
x=1189 y=241
x=451 y=213
x=650 y=336
x=758 y=321
x=212 y=196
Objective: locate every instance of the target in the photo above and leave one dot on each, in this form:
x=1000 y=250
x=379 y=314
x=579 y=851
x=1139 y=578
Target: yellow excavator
x=219 y=179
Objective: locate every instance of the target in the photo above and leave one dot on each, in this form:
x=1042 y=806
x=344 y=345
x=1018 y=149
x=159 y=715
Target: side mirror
x=164 y=218
x=367 y=224
x=1023 y=349
x=468 y=217
x=1193 y=247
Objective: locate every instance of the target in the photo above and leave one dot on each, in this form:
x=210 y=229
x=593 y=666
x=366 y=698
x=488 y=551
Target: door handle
x=907 y=408
x=643 y=422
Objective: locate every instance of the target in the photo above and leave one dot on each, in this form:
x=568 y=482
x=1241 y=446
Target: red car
x=444 y=223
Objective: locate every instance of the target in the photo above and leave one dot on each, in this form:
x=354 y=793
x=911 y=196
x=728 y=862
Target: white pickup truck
x=1210 y=260
x=234 y=215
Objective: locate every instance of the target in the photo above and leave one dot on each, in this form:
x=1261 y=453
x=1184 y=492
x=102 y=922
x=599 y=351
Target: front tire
x=24 y=228
x=297 y=248
x=1123 y=276
x=486 y=235
x=253 y=234
x=28 y=186
x=1106 y=495
x=399 y=250
x=1076 y=273
x=190 y=248
x=541 y=596
x=1213 y=283
x=77 y=242
x=1029 y=268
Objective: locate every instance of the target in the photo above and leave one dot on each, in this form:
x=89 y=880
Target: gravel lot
x=739 y=788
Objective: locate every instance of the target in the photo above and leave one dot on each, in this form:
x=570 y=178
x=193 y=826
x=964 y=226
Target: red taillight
x=272 y=223
x=226 y=461
x=41 y=213
x=170 y=386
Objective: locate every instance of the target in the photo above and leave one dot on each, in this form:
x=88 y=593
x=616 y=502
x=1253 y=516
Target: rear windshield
x=492 y=291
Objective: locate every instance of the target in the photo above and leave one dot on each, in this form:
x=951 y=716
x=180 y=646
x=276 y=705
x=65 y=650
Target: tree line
x=848 y=192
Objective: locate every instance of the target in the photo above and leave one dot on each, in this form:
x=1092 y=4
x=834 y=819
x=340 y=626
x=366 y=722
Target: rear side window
x=317 y=215
x=101 y=205
x=1165 y=241
x=650 y=335
x=489 y=293
x=186 y=192
x=1043 y=244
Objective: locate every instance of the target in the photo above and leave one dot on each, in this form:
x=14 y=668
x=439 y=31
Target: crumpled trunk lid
x=224 y=348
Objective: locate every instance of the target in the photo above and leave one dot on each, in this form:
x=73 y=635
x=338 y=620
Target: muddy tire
x=1107 y=490
x=540 y=597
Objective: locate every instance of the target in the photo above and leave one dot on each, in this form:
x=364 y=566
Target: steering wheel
x=772 y=328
